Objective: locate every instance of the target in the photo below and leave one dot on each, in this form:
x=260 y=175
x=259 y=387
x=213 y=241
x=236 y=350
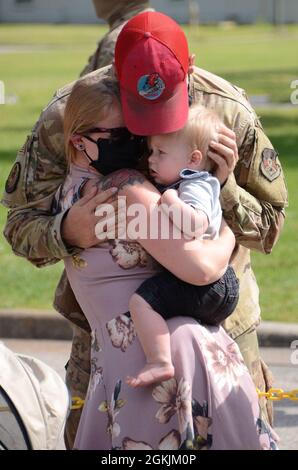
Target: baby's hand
x=169 y=195
x=171 y=192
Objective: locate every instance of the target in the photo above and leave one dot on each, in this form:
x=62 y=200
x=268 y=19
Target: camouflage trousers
x=78 y=372
x=261 y=375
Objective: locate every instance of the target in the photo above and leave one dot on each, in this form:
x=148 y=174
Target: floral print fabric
x=211 y=403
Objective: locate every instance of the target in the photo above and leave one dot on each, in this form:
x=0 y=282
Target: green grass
x=277 y=273
x=40 y=58
x=261 y=59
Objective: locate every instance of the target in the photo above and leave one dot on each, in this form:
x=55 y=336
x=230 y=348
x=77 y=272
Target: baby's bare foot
x=152 y=373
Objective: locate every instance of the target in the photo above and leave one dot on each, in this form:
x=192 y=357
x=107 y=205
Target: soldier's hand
x=78 y=226
x=224 y=153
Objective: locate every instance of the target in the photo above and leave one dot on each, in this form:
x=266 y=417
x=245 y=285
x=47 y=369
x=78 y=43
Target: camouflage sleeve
x=104 y=53
x=254 y=197
x=39 y=169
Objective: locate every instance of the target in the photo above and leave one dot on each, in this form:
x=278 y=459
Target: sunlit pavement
x=280 y=360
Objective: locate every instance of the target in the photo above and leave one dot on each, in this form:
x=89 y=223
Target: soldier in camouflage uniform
x=116 y=13
x=253 y=201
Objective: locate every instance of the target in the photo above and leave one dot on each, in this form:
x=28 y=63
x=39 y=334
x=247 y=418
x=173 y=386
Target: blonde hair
x=89 y=102
x=200 y=129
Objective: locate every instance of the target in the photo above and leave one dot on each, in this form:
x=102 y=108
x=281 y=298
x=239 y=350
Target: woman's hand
x=224 y=153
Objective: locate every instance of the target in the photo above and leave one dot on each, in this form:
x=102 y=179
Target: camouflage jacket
x=104 y=52
x=252 y=199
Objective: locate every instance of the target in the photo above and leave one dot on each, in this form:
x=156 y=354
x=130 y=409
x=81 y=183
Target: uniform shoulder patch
x=13 y=178
x=269 y=165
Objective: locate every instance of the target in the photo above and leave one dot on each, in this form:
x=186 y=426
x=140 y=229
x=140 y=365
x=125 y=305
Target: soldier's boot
x=77 y=380
x=261 y=375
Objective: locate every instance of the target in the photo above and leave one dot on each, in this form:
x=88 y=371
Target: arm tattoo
x=121 y=178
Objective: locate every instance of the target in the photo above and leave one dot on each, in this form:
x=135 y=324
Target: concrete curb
x=48 y=324
x=277 y=334
x=34 y=324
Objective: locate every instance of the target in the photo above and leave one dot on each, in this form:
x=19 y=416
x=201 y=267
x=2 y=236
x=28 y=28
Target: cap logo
x=150 y=86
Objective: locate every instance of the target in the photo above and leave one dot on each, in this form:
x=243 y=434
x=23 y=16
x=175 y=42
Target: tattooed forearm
x=121 y=178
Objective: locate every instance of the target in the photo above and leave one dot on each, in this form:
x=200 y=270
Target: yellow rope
x=77 y=403
x=273 y=394
x=277 y=394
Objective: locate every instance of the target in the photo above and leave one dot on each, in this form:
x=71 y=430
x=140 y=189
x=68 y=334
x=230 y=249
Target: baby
x=181 y=170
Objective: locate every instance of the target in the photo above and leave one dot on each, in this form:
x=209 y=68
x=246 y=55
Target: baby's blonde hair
x=200 y=129
x=89 y=102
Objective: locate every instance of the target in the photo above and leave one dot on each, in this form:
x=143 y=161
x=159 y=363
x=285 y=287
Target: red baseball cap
x=152 y=60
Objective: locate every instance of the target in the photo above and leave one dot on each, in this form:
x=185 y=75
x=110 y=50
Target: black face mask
x=121 y=150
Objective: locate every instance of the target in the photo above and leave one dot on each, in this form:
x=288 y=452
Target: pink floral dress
x=211 y=403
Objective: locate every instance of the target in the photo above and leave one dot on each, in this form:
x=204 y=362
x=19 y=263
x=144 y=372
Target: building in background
x=184 y=11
